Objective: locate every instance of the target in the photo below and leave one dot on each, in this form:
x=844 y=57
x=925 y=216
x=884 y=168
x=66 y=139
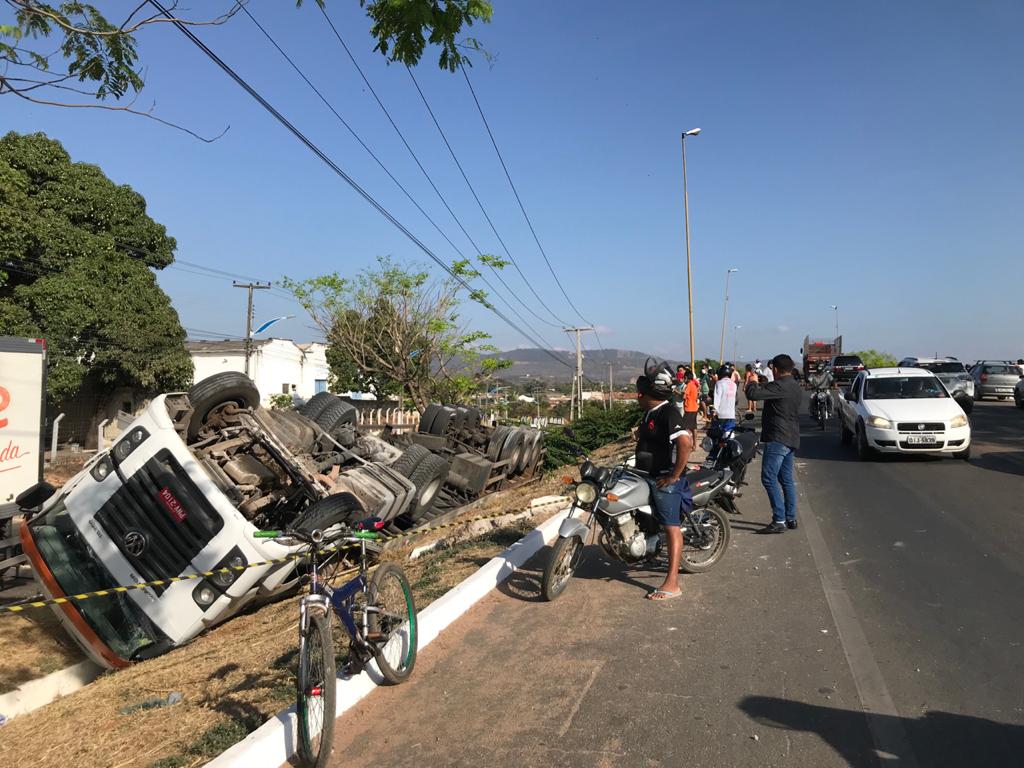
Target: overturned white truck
x=183 y=490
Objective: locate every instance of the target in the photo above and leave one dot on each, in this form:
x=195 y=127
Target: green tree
x=77 y=254
x=872 y=358
x=394 y=327
x=98 y=58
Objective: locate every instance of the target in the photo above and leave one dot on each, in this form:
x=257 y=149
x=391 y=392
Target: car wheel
x=864 y=451
x=845 y=435
x=965 y=454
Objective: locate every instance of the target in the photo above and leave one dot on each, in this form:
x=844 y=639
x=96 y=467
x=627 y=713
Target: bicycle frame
x=338 y=599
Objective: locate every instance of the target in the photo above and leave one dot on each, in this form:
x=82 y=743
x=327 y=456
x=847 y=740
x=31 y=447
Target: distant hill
x=532 y=364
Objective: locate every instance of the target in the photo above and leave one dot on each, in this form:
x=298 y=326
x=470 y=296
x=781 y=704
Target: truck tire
x=473 y=419
x=316 y=405
x=428 y=477
x=526 y=454
x=497 y=441
x=512 y=450
x=337 y=508
x=533 y=451
x=428 y=417
x=410 y=459
x=337 y=414
x=443 y=421
x=216 y=390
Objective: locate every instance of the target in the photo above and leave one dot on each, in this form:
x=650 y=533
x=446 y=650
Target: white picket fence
x=397 y=417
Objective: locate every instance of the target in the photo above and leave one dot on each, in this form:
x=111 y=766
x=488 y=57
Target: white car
x=903 y=410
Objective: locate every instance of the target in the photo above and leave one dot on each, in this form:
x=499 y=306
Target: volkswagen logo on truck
x=135 y=543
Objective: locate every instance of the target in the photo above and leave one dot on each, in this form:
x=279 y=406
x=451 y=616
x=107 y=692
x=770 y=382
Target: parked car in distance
x=845 y=368
x=951 y=372
x=994 y=378
x=902 y=410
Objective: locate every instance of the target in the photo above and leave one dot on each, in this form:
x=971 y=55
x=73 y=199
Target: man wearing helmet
x=663 y=446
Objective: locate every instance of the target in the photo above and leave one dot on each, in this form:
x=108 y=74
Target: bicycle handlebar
x=308 y=537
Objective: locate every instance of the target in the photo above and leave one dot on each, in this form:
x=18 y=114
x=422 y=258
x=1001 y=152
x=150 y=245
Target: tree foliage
x=76 y=252
x=394 y=330
x=99 y=59
x=872 y=358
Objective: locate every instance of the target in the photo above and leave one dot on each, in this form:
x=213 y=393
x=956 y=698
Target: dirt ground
x=34 y=645
x=233 y=678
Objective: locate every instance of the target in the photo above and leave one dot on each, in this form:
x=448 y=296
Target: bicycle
x=377 y=611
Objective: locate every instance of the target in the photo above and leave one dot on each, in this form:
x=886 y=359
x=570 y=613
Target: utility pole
x=248 y=317
x=725 y=312
x=611 y=386
x=686 y=219
x=579 y=369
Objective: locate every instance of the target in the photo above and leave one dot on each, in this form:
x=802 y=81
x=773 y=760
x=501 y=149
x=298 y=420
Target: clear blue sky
x=862 y=154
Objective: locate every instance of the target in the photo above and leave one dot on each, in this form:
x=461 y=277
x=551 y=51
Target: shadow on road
x=937 y=738
x=1009 y=462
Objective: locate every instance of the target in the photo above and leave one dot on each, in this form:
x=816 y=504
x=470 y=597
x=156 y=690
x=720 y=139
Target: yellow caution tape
x=228 y=569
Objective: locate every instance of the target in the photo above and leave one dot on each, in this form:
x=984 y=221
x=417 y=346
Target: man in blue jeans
x=780 y=432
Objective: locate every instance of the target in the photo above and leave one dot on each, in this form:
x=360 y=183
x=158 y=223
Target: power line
x=241 y=82
x=424 y=171
x=384 y=168
x=477 y=197
x=519 y=200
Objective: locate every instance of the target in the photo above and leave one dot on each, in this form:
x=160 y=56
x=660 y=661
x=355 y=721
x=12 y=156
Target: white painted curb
x=270 y=745
x=37 y=693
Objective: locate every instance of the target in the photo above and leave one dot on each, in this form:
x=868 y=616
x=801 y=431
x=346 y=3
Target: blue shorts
x=671 y=501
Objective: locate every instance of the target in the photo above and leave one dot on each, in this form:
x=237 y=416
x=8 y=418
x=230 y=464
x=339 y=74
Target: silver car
x=951 y=372
x=994 y=378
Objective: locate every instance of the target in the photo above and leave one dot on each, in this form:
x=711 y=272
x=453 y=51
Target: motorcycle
x=620 y=504
x=731 y=449
x=821 y=406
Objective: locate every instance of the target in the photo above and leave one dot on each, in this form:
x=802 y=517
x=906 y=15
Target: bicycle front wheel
x=316 y=691
x=393 y=631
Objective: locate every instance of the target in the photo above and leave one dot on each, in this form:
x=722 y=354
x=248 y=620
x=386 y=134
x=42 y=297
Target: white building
x=275 y=364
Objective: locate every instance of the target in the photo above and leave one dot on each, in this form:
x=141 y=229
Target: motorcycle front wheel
x=565 y=556
x=703 y=548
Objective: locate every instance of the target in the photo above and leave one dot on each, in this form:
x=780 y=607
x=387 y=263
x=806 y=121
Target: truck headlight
x=102 y=468
x=235 y=562
x=204 y=595
x=958 y=421
x=878 y=421
x=129 y=443
x=586 y=493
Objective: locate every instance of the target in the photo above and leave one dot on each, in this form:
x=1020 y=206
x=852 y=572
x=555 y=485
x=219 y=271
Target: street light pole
x=686 y=224
x=835 y=309
x=725 y=313
x=736 y=344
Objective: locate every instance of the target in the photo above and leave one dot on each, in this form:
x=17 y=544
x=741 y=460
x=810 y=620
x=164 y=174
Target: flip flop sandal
x=660 y=595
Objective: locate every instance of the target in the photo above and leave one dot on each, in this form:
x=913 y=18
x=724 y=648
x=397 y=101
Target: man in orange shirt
x=691 y=395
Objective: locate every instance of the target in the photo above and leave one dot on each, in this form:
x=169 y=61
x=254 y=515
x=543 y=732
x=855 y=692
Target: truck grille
x=159 y=519
x=921 y=426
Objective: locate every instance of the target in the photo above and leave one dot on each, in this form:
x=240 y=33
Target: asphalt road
x=885 y=631
x=929 y=552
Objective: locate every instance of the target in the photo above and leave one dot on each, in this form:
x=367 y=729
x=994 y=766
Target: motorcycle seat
x=700 y=479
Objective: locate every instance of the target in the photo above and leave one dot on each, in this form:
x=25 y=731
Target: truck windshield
x=116 y=619
x=904 y=388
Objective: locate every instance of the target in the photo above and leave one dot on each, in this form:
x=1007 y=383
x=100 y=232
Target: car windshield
x=1001 y=369
x=116 y=619
x=943 y=367
x=848 y=360
x=904 y=388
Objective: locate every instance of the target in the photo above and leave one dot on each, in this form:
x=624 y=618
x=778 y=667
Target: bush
x=281 y=402
x=595 y=428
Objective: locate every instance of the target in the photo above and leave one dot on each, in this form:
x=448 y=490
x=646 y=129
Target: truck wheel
x=410 y=459
x=529 y=437
x=473 y=419
x=429 y=413
x=218 y=390
x=497 y=441
x=337 y=508
x=845 y=435
x=337 y=414
x=513 y=451
x=442 y=421
x=428 y=477
x=316 y=405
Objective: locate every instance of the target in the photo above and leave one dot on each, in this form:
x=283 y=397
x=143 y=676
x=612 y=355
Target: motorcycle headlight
x=707 y=444
x=958 y=421
x=586 y=493
x=878 y=421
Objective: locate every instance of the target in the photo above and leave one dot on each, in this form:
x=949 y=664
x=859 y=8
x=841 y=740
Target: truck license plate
x=921 y=439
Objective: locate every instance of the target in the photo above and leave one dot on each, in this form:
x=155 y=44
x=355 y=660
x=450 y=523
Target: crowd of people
x=713 y=391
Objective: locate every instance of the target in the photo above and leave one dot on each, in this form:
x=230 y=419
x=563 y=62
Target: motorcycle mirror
x=748 y=416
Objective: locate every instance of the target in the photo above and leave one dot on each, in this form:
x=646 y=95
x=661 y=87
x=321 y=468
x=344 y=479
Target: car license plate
x=921 y=439
x=1007 y=390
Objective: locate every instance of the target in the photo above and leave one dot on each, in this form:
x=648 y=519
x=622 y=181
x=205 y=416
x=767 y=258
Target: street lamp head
x=733 y=269
x=835 y=306
x=692 y=132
